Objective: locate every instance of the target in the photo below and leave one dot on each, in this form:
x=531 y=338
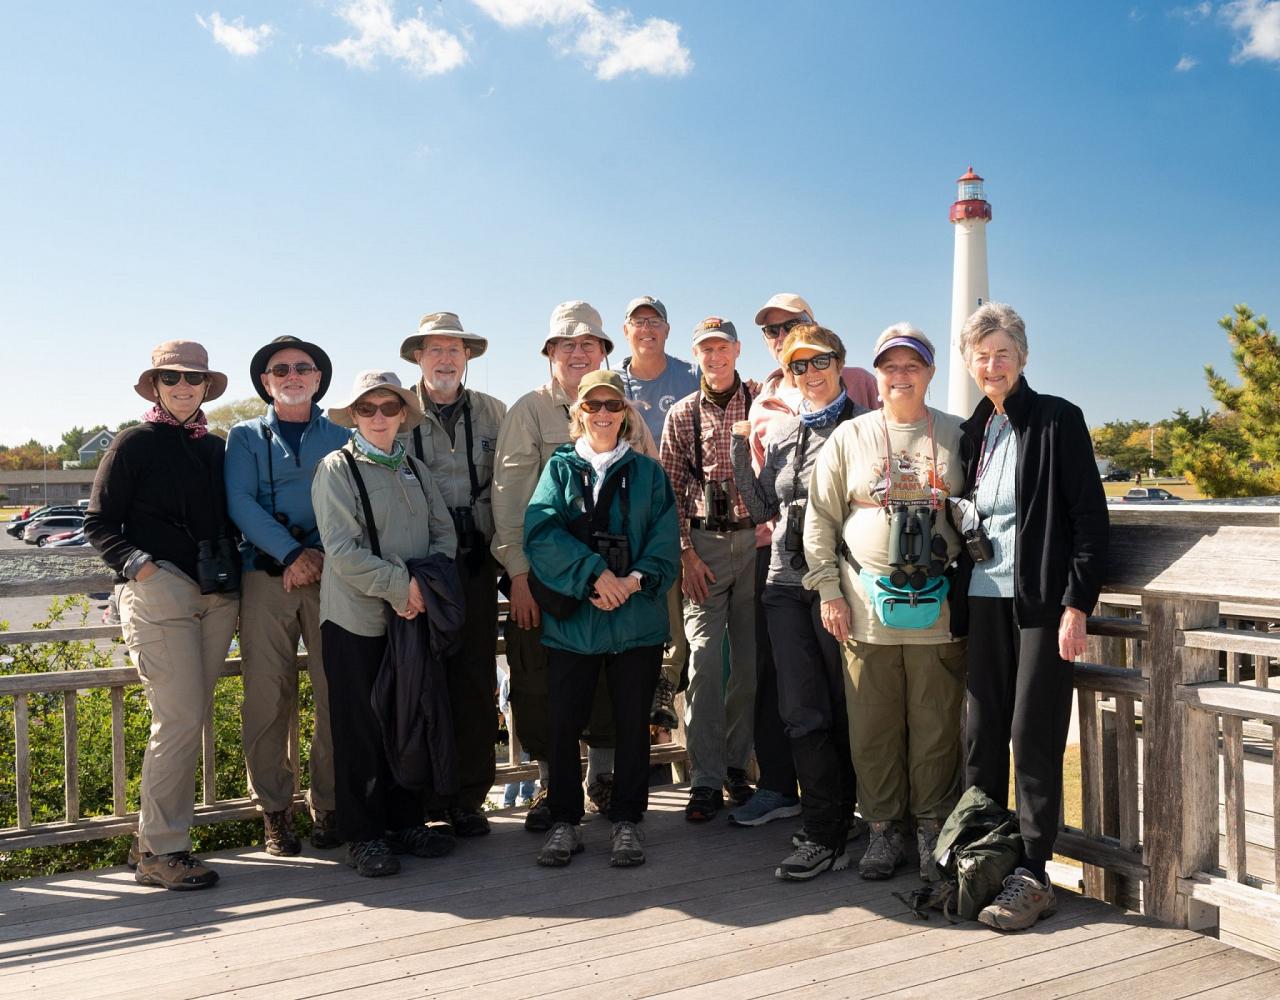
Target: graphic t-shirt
x=653 y=397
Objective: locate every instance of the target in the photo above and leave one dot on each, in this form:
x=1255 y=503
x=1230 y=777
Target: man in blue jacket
x=269 y=465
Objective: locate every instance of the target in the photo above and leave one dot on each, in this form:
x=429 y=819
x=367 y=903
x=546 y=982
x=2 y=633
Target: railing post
x=1180 y=744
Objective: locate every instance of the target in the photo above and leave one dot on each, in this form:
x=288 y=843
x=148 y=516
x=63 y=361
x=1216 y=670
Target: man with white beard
x=269 y=464
x=457 y=441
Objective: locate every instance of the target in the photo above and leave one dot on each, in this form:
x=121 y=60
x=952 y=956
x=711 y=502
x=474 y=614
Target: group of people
x=829 y=563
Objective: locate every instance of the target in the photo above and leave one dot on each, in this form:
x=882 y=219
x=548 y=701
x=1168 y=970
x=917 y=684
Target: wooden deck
x=705 y=917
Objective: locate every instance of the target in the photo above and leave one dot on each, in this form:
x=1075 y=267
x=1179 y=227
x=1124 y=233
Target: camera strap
x=468 y=436
x=934 y=502
x=620 y=485
x=271 y=468
x=802 y=449
x=364 y=501
x=697 y=428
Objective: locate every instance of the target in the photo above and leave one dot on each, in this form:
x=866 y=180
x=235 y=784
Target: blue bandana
x=825 y=417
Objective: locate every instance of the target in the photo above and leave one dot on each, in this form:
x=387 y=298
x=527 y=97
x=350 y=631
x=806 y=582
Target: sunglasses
x=299 y=368
x=390 y=408
x=775 y=330
x=596 y=405
x=819 y=361
x=173 y=378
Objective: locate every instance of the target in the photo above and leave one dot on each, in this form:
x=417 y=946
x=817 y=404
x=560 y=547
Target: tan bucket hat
x=180 y=356
x=787 y=302
x=367 y=381
x=442 y=324
x=576 y=318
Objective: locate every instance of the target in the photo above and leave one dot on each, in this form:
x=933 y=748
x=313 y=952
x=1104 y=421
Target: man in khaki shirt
x=457 y=441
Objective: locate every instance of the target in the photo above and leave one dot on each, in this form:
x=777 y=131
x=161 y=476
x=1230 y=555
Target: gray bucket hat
x=180 y=356
x=441 y=324
x=367 y=381
x=576 y=318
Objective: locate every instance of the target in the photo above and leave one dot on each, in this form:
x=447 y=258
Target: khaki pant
x=270 y=623
x=679 y=644
x=719 y=716
x=178 y=638
x=904 y=727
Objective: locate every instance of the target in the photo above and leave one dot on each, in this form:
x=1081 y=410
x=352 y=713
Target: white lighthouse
x=970 y=214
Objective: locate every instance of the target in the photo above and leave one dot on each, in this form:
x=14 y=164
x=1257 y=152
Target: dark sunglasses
x=173 y=378
x=300 y=368
x=775 y=330
x=595 y=405
x=819 y=361
x=390 y=408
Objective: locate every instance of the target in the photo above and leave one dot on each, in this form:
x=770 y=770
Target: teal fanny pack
x=905 y=607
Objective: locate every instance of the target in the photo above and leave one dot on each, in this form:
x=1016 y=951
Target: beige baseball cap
x=576 y=318
x=787 y=302
x=442 y=324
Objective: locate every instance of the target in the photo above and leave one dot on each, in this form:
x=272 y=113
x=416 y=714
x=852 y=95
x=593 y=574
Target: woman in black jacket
x=1030 y=472
x=158 y=517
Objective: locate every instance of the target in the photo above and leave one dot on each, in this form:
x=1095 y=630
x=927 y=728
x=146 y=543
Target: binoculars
x=715 y=498
x=916 y=552
x=217 y=567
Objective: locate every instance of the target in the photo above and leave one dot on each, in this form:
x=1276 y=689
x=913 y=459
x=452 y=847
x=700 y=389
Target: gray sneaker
x=1021 y=902
x=885 y=851
x=627 y=852
x=810 y=860
x=927 y=831
x=562 y=843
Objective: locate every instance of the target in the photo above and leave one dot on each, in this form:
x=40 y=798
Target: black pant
x=632 y=676
x=368 y=801
x=773 y=749
x=1019 y=688
x=811 y=702
x=472 y=673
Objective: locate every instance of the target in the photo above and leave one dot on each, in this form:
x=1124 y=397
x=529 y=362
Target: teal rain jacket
x=567 y=565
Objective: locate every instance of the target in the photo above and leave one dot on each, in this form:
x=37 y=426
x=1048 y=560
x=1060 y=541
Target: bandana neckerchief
x=375 y=454
x=825 y=417
x=722 y=398
x=197 y=426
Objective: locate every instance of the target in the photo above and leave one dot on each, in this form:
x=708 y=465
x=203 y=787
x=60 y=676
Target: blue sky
x=335 y=169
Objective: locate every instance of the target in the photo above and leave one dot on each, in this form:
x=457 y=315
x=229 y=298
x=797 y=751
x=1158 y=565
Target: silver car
x=39 y=532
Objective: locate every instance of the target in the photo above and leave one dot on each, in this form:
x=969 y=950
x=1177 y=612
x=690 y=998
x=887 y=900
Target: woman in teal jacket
x=604 y=546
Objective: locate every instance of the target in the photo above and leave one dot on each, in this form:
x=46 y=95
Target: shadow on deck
x=705 y=917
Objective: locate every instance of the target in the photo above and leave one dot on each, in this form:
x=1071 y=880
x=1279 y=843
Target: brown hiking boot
x=278 y=836
x=178 y=870
x=927 y=831
x=1021 y=902
x=324 y=829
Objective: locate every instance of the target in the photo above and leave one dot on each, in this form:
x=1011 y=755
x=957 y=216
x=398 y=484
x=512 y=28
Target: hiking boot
x=538 y=818
x=809 y=860
x=885 y=851
x=135 y=854
x=764 y=807
x=277 y=834
x=737 y=787
x=371 y=858
x=433 y=840
x=703 y=804
x=1021 y=902
x=324 y=829
x=178 y=870
x=663 y=713
x=600 y=794
x=927 y=831
x=468 y=822
x=562 y=843
x=627 y=852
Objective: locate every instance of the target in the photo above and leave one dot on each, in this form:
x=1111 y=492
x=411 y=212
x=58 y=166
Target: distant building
x=27 y=486
x=94 y=445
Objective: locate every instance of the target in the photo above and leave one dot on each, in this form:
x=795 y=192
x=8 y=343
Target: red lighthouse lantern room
x=970 y=202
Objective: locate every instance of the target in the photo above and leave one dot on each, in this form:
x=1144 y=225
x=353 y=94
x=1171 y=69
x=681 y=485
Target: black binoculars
x=471 y=542
x=793 y=537
x=270 y=564
x=217 y=566
x=916 y=552
x=615 y=549
x=715 y=498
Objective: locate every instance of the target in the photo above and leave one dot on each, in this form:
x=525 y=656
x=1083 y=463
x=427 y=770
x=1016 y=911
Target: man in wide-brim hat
x=457 y=439
x=270 y=463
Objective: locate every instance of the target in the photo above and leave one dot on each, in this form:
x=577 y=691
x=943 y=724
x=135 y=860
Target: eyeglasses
x=819 y=361
x=595 y=405
x=775 y=330
x=390 y=408
x=649 y=321
x=588 y=345
x=299 y=368
x=173 y=378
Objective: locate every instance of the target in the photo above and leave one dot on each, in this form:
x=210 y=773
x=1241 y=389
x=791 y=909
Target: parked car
x=1118 y=476
x=64 y=539
x=38 y=531
x=17 y=528
x=1145 y=494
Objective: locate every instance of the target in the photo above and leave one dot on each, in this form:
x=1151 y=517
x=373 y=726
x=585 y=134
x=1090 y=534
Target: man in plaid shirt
x=717 y=557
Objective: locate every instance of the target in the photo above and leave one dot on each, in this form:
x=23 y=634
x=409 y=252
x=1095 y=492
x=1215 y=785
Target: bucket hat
x=367 y=381
x=576 y=318
x=318 y=357
x=179 y=356
x=441 y=324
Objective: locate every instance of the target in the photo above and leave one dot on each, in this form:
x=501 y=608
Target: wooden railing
x=82 y=573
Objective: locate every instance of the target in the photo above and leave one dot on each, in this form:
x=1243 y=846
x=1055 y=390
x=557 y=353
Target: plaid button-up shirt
x=678 y=459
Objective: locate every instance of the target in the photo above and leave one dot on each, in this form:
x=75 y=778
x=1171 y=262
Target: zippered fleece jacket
x=565 y=564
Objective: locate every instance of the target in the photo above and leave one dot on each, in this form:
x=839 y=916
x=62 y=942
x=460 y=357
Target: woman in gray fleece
x=810 y=674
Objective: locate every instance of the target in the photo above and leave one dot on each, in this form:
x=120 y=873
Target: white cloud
x=1258 y=22
x=235 y=36
x=1186 y=64
x=1193 y=12
x=609 y=42
x=423 y=49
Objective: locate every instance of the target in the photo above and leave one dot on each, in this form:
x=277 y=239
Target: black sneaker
x=810 y=860
x=371 y=858
x=468 y=822
x=538 y=818
x=737 y=787
x=703 y=804
x=434 y=840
